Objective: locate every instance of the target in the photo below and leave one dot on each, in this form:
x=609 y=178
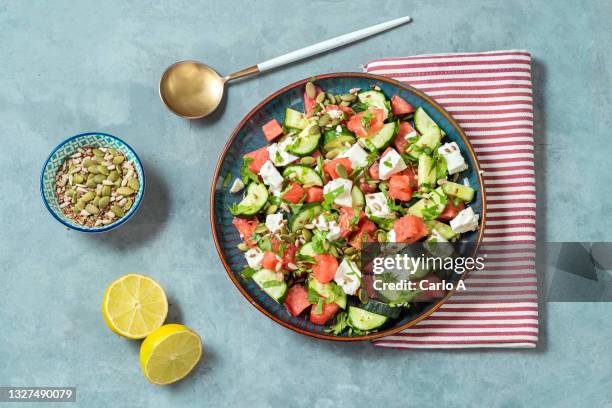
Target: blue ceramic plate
x=67 y=148
x=248 y=136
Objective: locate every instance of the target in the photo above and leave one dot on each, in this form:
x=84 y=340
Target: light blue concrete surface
x=68 y=67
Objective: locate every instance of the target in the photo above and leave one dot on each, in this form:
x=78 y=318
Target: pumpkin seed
x=320 y=97
x=92 y=209
x=106 y=190
x=307 y=160
x=348 y=97
x=381 y=236
x=332 y=154
x=261 y=228
x=350 y=251
x=87 y=197
x=103 y=202
x=98 y=152
x=311 y=91
x=133 y=183
x=90 y=183
x=93 y=169
x=243 y=247
x=118 y=211
x=341 y=170
x=118 y=159
x=331 y=99
x=77 y=179
x=99 y=178
x=113 y=175
x=324 y=120
x=272 y=209
x=125 y=191
x=335 y=122
x=79 y=206
x=89 y=162
x=112 y=151
x=345 y=103
x=103 y=170
x=307 y=235
x=314 y=130
x=128 y=204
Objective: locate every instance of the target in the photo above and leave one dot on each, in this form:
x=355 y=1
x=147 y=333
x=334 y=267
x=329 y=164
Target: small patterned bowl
x=67 y=148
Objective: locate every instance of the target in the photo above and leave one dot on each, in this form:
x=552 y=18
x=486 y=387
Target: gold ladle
x=194 y=90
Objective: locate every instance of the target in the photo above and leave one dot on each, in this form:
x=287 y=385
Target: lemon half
x=170 y=353
x=134 y=306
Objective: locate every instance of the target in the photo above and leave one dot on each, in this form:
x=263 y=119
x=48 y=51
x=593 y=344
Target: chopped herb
x=248 y=272
x=340 y=324
x=264 y=244
x=312 y=296
x=319 y=308
x=246 y=174
x=226 y=179
x=366 y=120
x=387 y=163
x=328 y=198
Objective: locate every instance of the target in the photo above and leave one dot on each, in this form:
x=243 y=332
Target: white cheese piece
x=452 y=155
x=348 y=277
x=357 y=156
x=320 y=223
x=391 y=236
x=465 y=221
x=335 y=114
x=334 y=231
x=343 y=199
x=377 y=206
x=279 y=154
x=271 y=177
x=274 y=222
x=254 y=257
x=390 y=164
x=237 y=186
x=437 y=245
x=410 y=135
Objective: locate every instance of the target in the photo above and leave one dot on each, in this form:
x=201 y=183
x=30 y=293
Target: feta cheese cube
x=320 y=223
x=378 y=206
x=348 y=277
x=237 y=186
x=452 y=155
x=254 y=257
x=344 y=198
x=274 y=222
x=271 y=177
x=465 y=221
x=279 y=154
x=357 y=156
x=437 y=245
x=391 y=236
x=335 y=114
x=334 y=231
x=390 y=164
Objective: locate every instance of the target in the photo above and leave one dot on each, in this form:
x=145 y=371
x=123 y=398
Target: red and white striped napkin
x=489 y=94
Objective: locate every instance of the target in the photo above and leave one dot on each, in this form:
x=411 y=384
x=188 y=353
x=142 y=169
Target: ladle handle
x=330 y=44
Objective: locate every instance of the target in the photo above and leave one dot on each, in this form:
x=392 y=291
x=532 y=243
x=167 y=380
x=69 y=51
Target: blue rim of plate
x=261 y=301
x=110 y=226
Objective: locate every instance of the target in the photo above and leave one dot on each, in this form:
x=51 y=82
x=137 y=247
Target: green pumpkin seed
x=320 y=97
x=307 y=160
x=331 y=99
x=307 y=235
x=118 y=211
x=89 y=162
x=272 y=209
x=381 y=236
x=311 y=91
x=87 y=197
x=125 y=191
x=118 y=183
x=90 y=183
x=345 y=103
x=112 y=151
x=103 y=202
x=96 y=201
x=332 y=154
x=341 y=170
x=92 y=209
x=113 y=175
x=286 y=237
x=324 y=120
x=79 y=206
x=350 y=251
x=261 y=228
x=98 y=152
x=99 y=178
x=106 y=190
x=335 y=122
x=118 y=159
x=77 y=179
x=243 y=247
x=348 y=97
x=93 y=169
x=103 y=170
x=314 y=130
x=133 y=183
x=128 y=204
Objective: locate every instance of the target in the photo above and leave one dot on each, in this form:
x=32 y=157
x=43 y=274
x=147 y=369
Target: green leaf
x=328 y=198
x=248 y=272
x=312 y=296
x=319 y=308
x=226 y=179
x=340 y=324
x=246 y=174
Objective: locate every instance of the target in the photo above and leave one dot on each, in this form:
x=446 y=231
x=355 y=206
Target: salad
x=350 y=169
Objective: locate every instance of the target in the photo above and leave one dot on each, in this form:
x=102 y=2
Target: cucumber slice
x=426 y=171
x=267 y=281
x=424 y=124
x=305 y=143
x=295 y=119
x=381 y=308
x=361 y=319
x=431 y=207
x=255 y=199
x=308 y=250
x=374 y=98
x=333 y=139
x=383 y=138
x=304 y=175
x=443 y=229
x=328 y=289
x=430 y=140
x=460 y=191
x=358 y=197
x=306 y=214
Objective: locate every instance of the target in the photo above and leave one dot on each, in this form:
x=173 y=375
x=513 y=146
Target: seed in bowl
x=96 y=186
